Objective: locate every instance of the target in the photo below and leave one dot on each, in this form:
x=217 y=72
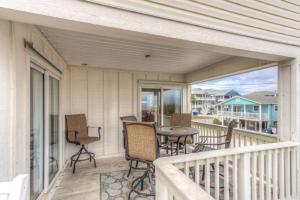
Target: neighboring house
x=256 y=111
x=204 y=100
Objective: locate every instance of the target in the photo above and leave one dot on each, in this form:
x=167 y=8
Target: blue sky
x=260 y=80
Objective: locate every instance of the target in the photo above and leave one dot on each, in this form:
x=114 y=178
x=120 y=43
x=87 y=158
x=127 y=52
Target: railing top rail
x=181 y=185
x=239 y=130
x=224 y=152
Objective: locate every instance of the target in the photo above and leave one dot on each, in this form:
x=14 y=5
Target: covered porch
x=103 y=69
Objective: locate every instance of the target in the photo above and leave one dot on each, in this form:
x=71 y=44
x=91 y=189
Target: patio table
x=178 y=132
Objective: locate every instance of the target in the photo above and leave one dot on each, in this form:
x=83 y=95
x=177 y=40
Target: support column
x=7 y=128
x=288 y=100
x=260 y=119
x=289 y=104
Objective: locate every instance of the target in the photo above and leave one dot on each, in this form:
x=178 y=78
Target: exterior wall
x=104 y=96
x=15 y=98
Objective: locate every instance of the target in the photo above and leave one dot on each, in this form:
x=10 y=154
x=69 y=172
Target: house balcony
x=244 y=115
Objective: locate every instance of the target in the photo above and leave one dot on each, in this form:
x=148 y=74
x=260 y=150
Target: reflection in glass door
x=36 y=133
x=150 y=102
x=172 y=104
x=53 y=127
x=158 y=104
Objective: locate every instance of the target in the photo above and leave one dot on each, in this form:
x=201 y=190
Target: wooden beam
x=231 y=66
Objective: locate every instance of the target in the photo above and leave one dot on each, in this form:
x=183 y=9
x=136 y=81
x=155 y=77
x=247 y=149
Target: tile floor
x=85 y=183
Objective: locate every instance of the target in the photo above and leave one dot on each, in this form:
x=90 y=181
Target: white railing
x=266 y=171
x=240 y=137
x=244 y=115
x=17 y=189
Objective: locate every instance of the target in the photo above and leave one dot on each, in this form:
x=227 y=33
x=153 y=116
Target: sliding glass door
x=44 y=130
x=151 y=105
x=172 y=104
x=53 y=127
x=158 y=104
x=37 y=131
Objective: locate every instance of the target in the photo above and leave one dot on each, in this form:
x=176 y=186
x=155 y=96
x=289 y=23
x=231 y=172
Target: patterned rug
x=116 y=186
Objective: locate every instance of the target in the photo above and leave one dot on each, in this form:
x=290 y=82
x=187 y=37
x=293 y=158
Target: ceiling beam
x=229 y=67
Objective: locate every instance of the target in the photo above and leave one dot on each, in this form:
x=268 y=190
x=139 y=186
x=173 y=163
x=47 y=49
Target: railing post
x=161 y=189
x=244 y=177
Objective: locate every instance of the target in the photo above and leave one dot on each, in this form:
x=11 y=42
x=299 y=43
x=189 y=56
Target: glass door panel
x=53 y=127
x=36 y=133
x=172 y=104
x=150 y=102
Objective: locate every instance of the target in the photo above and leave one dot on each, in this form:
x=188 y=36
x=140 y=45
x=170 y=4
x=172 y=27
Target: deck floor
x=85 y=183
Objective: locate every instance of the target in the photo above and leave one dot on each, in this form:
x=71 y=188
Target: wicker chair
x=221 y=142
x=180 y=120
x=142 y=146
x=77 y=133
x=124 y=119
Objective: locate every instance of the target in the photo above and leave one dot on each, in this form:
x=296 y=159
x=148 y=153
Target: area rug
x=116 y=185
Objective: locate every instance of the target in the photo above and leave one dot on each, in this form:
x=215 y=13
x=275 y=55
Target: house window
x=256 y=108
x=275 y=107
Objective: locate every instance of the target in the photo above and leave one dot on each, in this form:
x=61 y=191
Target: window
x=256 y=108
x=275 y=108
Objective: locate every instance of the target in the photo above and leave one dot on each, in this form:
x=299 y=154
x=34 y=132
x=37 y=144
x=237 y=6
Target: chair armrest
x=99 y=130
x=75 y=134
x=219 y=136
x=220 y=143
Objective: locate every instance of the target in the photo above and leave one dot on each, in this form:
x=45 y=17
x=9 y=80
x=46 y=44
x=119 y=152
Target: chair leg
x=203 y=172
x=75 y=162
x=140 y=182
x=130 y=166
x=177 y=148
x=76 y=157
x=136 y=164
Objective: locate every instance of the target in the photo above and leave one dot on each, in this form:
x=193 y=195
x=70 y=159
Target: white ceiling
x=78 y=48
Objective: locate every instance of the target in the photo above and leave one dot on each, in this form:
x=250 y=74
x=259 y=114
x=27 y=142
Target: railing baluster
x=226 y=179
x=294 y=172
x=261 y=175
x=207 y=176
x=160 y=188
x=281 y=174
x=187 y=169
x=287 y=173
x=197 y=172
x=253 y=182
x=275 y=174
x=170 y=196
x=244 y=174
x=268 y=175
x=217 y=185
x=234 y=177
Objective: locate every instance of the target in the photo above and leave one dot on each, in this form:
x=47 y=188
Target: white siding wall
x=104 y=96
x=15 y=96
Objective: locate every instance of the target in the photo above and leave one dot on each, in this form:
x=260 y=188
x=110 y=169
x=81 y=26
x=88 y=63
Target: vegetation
x=217 y=121
x=211 y=111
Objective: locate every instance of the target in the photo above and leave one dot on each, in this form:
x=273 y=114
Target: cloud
x=260 y=80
